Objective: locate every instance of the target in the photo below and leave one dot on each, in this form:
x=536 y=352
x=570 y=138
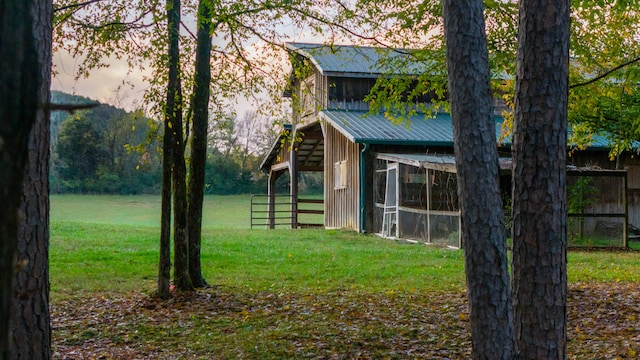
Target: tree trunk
x=181 y=277
x=478 y=180
x=164 y=269
x=19 y=86
x=539 y=180
x=174 y=115
x=30 y=316
x=200 y=111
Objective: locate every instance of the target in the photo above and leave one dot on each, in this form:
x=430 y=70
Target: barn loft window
x=340 y=175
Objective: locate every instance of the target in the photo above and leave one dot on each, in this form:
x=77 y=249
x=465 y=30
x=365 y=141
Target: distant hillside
x=57 y=117
x=102 y=150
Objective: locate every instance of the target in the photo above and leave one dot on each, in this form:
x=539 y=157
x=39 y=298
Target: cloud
x=115 y=85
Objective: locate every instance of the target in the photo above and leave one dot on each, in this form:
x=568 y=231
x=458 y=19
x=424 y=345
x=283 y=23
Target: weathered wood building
x=395 y=180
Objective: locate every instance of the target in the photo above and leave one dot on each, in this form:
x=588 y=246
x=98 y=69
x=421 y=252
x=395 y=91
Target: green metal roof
x=358 y=61
x=601 y=142
x=361 y=127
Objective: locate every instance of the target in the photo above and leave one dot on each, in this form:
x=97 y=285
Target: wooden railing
x=310 y=207
x=284 y=211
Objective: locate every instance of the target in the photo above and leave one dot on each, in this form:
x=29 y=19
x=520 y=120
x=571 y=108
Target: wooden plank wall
x=341 y=206
x=284 y=154
x=322 y=88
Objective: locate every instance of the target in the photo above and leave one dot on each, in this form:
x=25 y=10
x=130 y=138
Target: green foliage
x=109 y=151
x=604 y=70
x=581 y=195
x=79 y=151
x=105 y=150
x=249 y=37
x=604 y=74
x=224 y=176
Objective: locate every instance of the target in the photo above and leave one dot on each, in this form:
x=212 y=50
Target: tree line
x=107 y=150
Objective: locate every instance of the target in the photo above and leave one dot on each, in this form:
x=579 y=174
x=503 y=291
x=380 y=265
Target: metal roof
x=362 y=127
x=597 y=142
x=434 y=162
x=351 y=60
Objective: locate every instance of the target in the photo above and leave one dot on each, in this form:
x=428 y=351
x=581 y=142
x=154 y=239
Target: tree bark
x=164 y=268
x=200 y=111
x=539 y=180
x=19 y=82
x=478 y=180
x=30 y=316
x=181 y=277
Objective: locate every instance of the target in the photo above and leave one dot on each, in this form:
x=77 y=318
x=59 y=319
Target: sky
x=114 y=85
x=117 y=85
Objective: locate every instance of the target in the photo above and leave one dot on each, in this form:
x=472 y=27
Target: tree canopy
x=604 y=69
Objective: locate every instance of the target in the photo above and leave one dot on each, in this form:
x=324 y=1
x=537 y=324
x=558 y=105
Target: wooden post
x=271 y=192
x=625 y=204
x=293 y=175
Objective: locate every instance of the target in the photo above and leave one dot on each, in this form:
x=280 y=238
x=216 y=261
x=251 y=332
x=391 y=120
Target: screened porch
x=416 y=198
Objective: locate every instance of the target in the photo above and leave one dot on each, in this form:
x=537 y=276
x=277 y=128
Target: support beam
x=271 y=192
x=293 y=175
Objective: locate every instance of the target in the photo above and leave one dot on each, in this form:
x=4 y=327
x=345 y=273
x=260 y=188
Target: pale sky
x=118 y=86
x=113 y=85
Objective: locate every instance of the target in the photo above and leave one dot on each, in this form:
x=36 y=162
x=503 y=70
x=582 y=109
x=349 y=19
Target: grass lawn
x=290 y=294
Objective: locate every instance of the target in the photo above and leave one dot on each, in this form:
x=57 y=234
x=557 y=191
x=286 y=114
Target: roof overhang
x=355 y=61
x=378 y=129
x=309 y=148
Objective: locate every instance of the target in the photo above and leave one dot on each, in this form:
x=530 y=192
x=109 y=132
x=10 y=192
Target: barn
x=399 y=181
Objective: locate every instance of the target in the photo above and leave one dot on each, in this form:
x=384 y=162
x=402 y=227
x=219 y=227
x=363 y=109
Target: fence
x=286 y=211
x=597 y=207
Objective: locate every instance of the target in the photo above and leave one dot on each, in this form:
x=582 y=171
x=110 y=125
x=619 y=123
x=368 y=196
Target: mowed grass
x=144 y=211
x=110 y=244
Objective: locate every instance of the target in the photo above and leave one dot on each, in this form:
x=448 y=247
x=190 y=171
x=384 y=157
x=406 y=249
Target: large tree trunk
x=19 y=86
x=181 y=277
x=539 y=180
x=30 y=316
x=200 y=111
x=164 y=268
x=164 y=271
x=478 y=180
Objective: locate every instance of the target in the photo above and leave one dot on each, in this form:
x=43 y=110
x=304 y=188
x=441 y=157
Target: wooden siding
x=310 y=97
x=284 y=154
x=321 y=92
x=341 y=205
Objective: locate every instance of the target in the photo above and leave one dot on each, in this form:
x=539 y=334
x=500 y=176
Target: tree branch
x=75 y=6
x=184 y=26
x=605 y=74
x=133 y=24
x=71 y=108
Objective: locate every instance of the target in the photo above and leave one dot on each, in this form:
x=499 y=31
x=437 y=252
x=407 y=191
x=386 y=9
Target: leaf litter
x=218 y=323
